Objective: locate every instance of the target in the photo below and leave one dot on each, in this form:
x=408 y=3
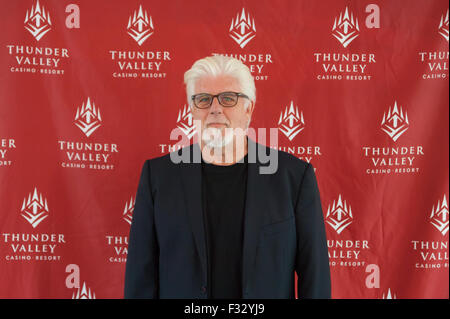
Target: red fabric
x=393 y=214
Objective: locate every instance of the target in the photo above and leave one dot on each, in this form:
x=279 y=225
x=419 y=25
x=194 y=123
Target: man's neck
x=227 y=155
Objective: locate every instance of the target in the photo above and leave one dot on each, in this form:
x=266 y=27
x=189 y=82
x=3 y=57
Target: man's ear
x=250 y=108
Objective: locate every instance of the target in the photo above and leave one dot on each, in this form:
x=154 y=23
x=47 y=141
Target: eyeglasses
x=226 y=99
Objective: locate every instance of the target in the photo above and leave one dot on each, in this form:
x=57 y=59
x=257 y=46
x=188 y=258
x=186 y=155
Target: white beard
x=212 y=137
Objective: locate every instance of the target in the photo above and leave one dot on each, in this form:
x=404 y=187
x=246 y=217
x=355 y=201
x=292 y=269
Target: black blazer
x=283 y=232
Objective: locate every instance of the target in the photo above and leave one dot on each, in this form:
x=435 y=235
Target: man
x=218 y=227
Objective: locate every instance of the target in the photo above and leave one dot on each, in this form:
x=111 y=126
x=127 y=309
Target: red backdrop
x=91 y=89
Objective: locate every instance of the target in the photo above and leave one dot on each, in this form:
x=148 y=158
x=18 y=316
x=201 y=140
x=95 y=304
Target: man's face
x=218 y=117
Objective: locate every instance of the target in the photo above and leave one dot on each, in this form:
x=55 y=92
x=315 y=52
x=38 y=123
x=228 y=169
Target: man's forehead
x=217 y=84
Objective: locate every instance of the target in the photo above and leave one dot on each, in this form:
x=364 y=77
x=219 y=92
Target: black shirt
x=224 y=190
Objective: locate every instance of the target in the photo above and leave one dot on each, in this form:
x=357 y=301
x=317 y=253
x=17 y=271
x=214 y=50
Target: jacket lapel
x=191 y=177
x=253 y=214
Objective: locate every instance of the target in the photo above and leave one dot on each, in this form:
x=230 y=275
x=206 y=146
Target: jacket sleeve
x=141 y=273
x=312 y=264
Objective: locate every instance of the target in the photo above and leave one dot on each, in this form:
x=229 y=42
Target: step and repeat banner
x=89 y=90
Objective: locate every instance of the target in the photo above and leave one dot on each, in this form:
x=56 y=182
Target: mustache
x=207 y=124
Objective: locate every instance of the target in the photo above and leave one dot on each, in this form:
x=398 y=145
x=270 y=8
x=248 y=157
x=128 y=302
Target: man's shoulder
x=291 y=160
x=169 y=160
x=290 y=171
x=287 y=166
x=285 y=159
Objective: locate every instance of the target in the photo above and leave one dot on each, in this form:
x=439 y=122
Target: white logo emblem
x=140 y=27
x=184 y=122
x=389 y=295
x=339 y=215
x=128 y=211
x=439 y=216
x=37 y=21
x=88 y=119
x=443 y=26
x=291 y=123
x=346 y=28
x=243 y=29
x=35 y=209
x=83 y=293
x=395 y=123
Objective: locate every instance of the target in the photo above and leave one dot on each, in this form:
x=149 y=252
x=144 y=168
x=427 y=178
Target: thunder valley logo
x=128 y=210
x=139 y=64
x=345 y=28
x=435 y=62
x=33 y=246
x=343 y=252
x=389 y=295
x=87 y=155
x=37 y=21
x=433 y=254
x=88 y=119
x=439 y=216
x=395 y=123
x=119 y=243
x=34 y=209
x=84 y=292
x=291 y=123
x=37 y=60
x=242 y=31
x=140 y=27
x=398 y=159
x=185 y=123
x=339 y=215
x=443 y=26
x=183 y=132
x=342 y=65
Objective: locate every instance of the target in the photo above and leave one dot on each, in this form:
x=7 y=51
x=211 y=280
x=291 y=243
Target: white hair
x=216 y=65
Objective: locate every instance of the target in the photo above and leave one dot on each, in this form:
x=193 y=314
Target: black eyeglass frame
x=217 y=96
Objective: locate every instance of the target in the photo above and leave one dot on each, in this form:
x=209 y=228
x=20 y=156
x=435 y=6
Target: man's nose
x=215 y=107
